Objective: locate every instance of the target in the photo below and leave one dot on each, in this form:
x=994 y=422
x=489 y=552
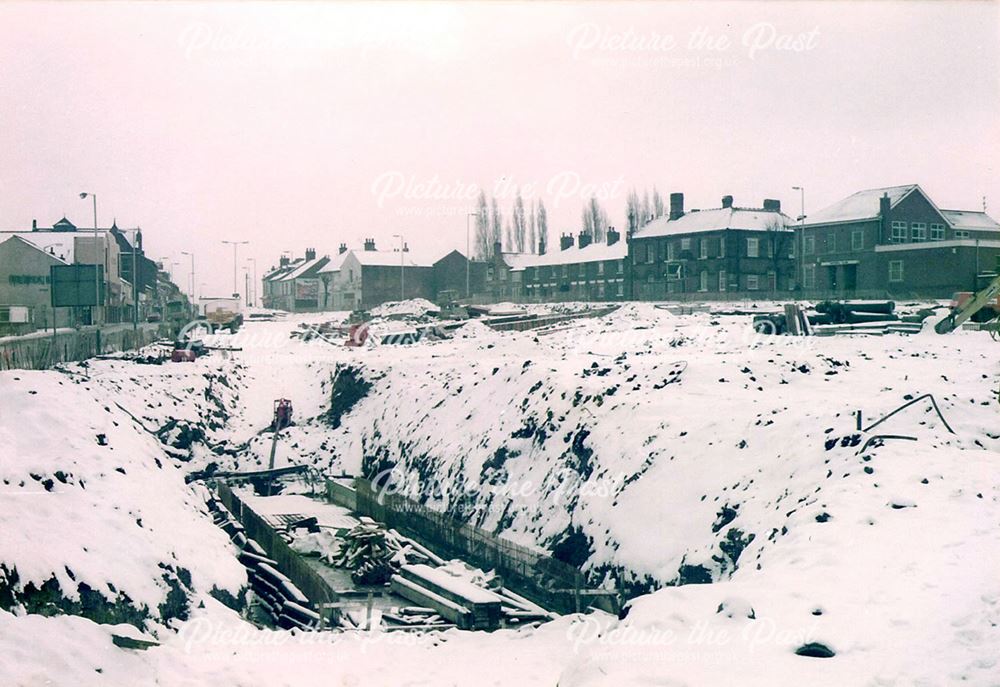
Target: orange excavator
x=982 y=306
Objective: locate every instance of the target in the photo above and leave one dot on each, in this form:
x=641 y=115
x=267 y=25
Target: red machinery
x=282 y=413
x=357 y=335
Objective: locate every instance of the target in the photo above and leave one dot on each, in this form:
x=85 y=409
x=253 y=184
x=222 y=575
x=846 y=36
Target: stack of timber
x=460 y=602
x=372 y=553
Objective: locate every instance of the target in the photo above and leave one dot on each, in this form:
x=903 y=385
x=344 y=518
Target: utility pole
x=802 y=237
x=235 y=245
x=191 y=276
x=97 y=282
x=254 y=290
x=402 y=258
x=468 y=253
x=135 y=279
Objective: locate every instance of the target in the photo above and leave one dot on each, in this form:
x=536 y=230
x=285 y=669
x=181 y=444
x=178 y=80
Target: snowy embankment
x=650 y=449
x=95 y=518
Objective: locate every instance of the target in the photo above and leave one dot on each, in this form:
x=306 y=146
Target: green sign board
x=74 y=285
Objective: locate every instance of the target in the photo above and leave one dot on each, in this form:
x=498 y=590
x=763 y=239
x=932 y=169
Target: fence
x=40 y=352
x=289 y=562
x=545 y=580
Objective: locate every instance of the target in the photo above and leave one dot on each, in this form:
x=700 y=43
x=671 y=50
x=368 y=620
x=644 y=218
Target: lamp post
x=402 y=258
x=191 y=276
x=468 y=253
x=802 y=237
x=254 y=290
x=97 y=283
x=235 y=245
x=135 y=279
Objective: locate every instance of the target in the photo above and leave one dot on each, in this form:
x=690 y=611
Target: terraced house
x=583 y=271
x=724 y=250
x=895 y=242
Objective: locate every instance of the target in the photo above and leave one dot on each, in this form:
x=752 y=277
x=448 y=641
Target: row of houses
x=133 y=283
x=891 y=242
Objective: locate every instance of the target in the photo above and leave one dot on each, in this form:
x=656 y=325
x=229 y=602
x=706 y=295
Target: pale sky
x=307 y=125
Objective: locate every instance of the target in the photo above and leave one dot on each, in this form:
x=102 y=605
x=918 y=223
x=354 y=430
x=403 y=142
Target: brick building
x=895 y=242
x=578 y=271
x=720 y=250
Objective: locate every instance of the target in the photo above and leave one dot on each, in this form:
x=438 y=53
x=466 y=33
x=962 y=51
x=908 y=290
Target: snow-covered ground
x=650 y=448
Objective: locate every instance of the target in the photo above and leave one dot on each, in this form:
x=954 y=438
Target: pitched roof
x=308 y=268
x=58 y=243
x=863 y=205
x=717 y=219
x=22 y=239
x=970 y=220
x=334 y=264
x=389 y=258
x=595 y=252
x=282 y=270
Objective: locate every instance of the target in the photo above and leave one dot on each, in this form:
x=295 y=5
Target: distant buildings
x=25 y=259
x=889 y=242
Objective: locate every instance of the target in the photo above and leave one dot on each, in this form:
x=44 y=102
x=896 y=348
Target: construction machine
x=983 y=306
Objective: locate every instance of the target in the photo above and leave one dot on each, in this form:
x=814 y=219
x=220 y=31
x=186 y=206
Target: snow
x=863 y=205
x=413 y=306
x=666 y=440
x=595 y=252
x=716 y=219
x=971 y=220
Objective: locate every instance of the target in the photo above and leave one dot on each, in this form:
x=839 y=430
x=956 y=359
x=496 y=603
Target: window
x=961 y=234
x=703 y=281
x=918 y=231
x=898 y=231
x=600 y=268
x=675 y=271
x=809 y=245
x=703 y=249
x=650 y=252
x=621 y=266
x=937 y=232
x=685 y=244
x=831 y=243
x=752 y=282
x=621 y=288
x=722 y=280
x=772 y=280
x=671 y=251
x=791 y=248
x=753 y=248
x=722 y=246
x=858 y=239
x=809 y=276
x=895 y=270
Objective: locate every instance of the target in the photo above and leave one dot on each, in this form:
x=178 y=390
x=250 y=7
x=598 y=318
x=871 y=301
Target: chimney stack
x=676 y=205
x=613 y=236
x=342 y=249
x=369 y=244
x=34 y=225
x=406 y=247
x=310 y=253
x=541 y=246
x=565 y=241
x=583 y=239
x=727 y=201
x=772 y=205
x=283 y=261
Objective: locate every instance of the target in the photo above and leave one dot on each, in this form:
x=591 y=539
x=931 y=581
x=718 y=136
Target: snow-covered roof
x=861 y=206
x=334 y=265
x=4 y=238
x=278 y=272
x=717 y=219
x=389 y=258
x=304 y=268
x=58 y=243
x=595 y=252
x=970 y=220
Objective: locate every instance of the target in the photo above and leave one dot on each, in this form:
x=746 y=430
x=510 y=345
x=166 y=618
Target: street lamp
x=468 y=253
x=402 y=258
x=191 y=276
x=235 y=245
x=254 y=261
x=802 y=237
x=97 y=287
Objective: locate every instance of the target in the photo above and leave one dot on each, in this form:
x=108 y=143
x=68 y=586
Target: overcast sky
x=296 y=126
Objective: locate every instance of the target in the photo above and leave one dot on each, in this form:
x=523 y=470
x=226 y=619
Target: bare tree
x=646 y=212
x=519 y=224
x=657 y=203
x=496 y=225
x=595 y=219
x=483 y=246
x=533 y=228
x=543 y=228
x=633 y=211
x=778 y=243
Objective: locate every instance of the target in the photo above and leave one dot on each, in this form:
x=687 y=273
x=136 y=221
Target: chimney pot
x=727 y=201
x=34 y=225
x=565 y=241
x=583 y=239
x=613 y=236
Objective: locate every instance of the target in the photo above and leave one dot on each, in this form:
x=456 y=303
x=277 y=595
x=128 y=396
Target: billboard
x=306 y=289
x=73 y=285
